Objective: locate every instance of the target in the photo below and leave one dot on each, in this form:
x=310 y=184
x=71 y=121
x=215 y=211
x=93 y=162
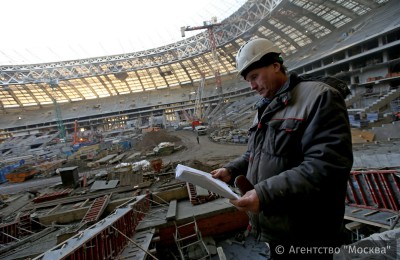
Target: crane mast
x=210 y=25
x=60 y=124
x=198 y=108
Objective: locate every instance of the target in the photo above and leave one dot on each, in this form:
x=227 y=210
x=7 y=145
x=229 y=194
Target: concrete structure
x=355 y=43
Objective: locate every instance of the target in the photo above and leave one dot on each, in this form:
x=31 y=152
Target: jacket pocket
x=283 y=137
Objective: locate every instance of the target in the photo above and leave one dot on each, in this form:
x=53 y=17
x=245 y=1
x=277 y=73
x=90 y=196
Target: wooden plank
x=354 y=225
x=372 y=223
x=53 y=209
x=362 y=136
x=106 y=158
x=171 y=214
x=371 y=213
x=84 y=204
x=221 y=253
x=355 y=210
x=173 y=194
x=144 y=239
x=155 y=239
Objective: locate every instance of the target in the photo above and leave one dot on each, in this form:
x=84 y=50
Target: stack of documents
x=204 y=180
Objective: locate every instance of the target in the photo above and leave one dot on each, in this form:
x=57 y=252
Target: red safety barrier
x=102 y=241
x=8 y=232
x=13 y=231
x=374 y=189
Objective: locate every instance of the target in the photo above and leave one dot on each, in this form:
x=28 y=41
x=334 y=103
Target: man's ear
x=277 y=66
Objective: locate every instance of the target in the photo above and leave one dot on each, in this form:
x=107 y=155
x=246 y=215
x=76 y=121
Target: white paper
x=204 y=180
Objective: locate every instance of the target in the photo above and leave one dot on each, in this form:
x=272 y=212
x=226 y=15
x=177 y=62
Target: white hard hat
x=253 y=51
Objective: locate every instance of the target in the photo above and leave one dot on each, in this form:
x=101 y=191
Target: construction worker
x=299 y=157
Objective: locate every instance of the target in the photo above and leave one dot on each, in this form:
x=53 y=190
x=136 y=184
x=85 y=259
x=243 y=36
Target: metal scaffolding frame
x=292 y=24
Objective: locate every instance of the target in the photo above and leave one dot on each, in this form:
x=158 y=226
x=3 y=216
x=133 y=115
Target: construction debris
x=21 y=174
x=111 y=194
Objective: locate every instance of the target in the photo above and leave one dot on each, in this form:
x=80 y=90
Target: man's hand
x=249 y=202
x=222 y=173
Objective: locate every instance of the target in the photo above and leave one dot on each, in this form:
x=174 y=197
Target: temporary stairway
x=351 y=99
x=189 y=241
x=383 y=101
x=96 y=209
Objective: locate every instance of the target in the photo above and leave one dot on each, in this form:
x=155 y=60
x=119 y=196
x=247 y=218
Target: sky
x=43 y=31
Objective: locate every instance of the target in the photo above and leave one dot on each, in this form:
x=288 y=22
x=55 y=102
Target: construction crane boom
x=207 y=25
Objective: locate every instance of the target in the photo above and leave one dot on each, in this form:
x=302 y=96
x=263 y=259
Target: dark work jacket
x=299 y=158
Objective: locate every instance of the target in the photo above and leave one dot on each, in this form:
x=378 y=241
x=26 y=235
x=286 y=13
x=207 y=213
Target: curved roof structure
x=292 y=24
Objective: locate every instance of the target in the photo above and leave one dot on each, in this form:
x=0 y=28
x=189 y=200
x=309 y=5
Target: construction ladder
x=96 y=209
x=189 y=241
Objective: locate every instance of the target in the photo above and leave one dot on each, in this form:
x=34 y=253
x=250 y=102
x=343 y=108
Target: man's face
x=264 y=80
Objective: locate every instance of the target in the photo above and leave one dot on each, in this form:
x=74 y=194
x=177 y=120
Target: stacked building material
x=52 y=196
x=199 y=195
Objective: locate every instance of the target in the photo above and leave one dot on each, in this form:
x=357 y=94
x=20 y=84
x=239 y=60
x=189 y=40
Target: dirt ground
x=205 y=151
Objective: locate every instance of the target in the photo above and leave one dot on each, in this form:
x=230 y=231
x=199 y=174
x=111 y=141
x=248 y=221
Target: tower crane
x=210 y=25
x=60 y=123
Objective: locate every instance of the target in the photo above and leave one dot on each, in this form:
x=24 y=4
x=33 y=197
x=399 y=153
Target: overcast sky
x=36 y=31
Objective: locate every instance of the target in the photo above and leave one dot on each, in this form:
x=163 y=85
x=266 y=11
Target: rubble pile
x=164 y=148
x=152 y=139
x=237 y=136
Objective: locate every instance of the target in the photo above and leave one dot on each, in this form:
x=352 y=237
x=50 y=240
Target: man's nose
x=253 y=85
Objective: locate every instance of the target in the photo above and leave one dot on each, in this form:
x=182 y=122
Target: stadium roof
x=292 y=24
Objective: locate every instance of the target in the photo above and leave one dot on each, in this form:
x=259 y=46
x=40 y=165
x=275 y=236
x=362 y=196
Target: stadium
x=171 y=82
x=49 y=110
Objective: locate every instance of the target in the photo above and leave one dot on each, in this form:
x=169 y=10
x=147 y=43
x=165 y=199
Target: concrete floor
x=250 y=249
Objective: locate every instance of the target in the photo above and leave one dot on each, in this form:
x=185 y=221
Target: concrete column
x=178 y=118
x=380 y=41
x=164 y=119
x=352 y=81
x=385 y=56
